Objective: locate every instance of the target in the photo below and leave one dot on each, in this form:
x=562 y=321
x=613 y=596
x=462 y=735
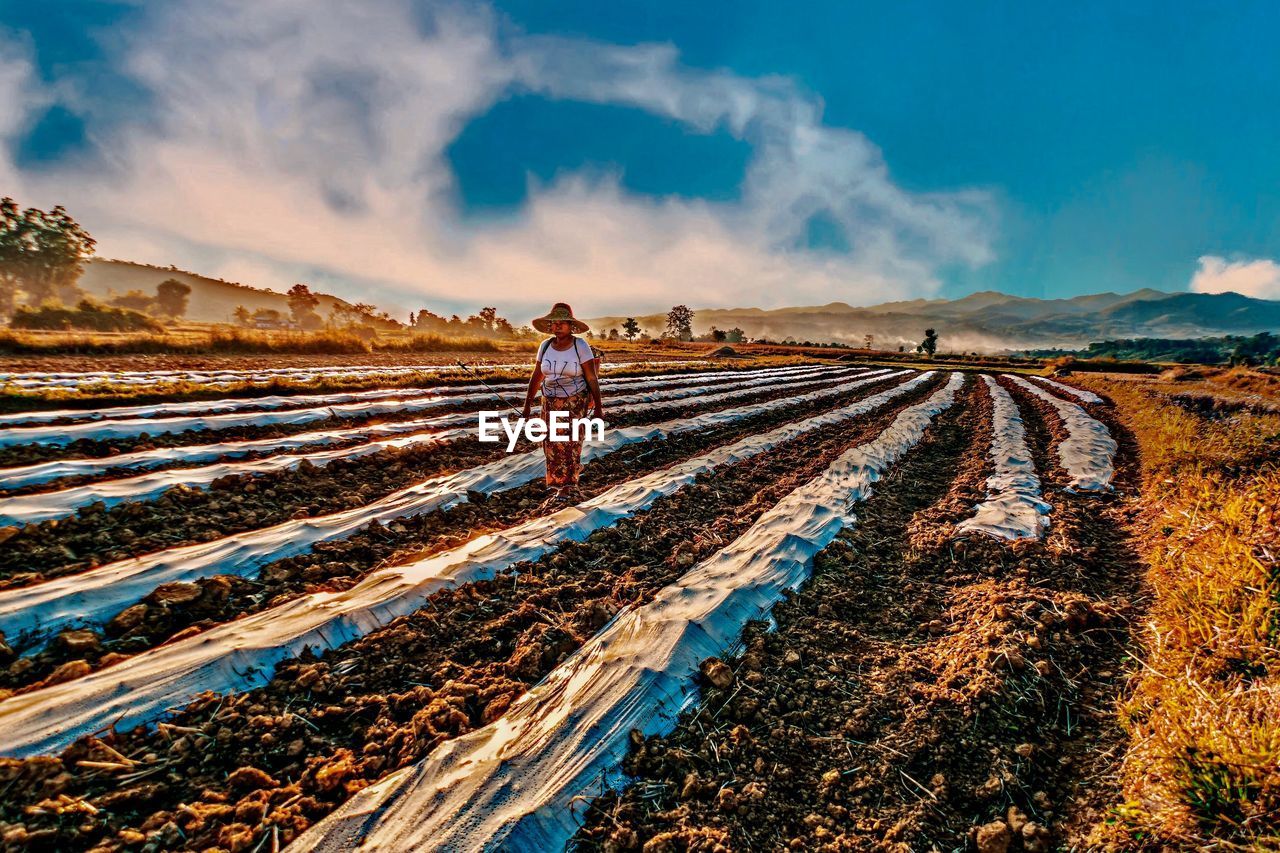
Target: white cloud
x=1260 y=278
x=305 y=141
x=20 y=96
x=801 y=167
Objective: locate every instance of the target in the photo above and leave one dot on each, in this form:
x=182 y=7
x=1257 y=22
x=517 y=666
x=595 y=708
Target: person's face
x=560 y=328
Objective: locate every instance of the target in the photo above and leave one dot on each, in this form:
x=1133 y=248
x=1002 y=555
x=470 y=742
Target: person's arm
x=535 y=380
x=593 y=384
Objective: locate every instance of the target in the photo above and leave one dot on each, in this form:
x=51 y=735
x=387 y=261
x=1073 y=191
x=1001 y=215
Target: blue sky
x=627 y=155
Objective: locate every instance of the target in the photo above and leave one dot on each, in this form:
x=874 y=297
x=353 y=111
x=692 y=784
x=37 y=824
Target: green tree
x=171 y=297
x=302 y=307
x=134 y=300
x=342 y=314
x=268 y=316
x=429 y=321
x=42 y=255
x=630 y=328
x=680 y=323
x=735 y=335
x=87 y=314
x=242 y=315
x=929 y=345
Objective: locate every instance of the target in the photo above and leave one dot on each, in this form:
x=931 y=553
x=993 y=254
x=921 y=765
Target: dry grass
x=1251 y=381
x=1203 y=766
x=1068 y=364
x=224 y=341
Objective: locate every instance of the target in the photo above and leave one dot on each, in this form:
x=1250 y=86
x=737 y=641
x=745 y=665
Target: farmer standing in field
x=566 y=368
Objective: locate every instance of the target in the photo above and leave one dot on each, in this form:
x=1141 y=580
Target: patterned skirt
x=564 y=458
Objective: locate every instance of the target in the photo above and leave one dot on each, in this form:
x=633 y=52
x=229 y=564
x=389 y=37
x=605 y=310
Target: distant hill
x=211 y=301
x=989 y=321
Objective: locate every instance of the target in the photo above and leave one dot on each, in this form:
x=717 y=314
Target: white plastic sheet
x=45 y=472
x=1078 y=393
x=1013 y=508
x=42 y=506
x=30 y=614
x=210 y=407
x=524 y=782
x=142 y=460
x=1088 y=452
x=28 y=509
x=133 y=427
x=77 y=381
x=298 y=401
x=241 y=654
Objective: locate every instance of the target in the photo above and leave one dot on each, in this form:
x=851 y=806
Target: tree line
x=42 y=256
x=1261 y=349
x=680 y=328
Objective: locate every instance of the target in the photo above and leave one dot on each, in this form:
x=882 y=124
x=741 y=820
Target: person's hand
x=598 y=412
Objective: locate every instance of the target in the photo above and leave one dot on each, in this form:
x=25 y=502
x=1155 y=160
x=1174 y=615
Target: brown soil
x=922 y=692
x=238 y=770
x=102 y=449
x=183 y=516
x=97 y=449
x=96 y=535
x=29 y=454
x=339 y=565
x=462 y=386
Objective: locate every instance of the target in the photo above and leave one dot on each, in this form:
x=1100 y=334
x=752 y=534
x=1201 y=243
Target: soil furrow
x=290 y=752
x=922 y=692
x=181 y=516
x=27 y=454
x=97 y=448
x=163 y=615
x=132 y=464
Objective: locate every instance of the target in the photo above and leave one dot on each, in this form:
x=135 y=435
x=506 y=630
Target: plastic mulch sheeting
x=523 y=782
x=1078 y=393
x=1088 y=452
x=132 y=427
x=27 y=509
x=297 y=401
x=29 y=614
x=241 y=654
x=43 y=472
x=1013 y=508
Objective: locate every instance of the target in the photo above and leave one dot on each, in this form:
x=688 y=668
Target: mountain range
x=988 y=321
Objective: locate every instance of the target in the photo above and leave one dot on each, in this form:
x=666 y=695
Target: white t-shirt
x=562 y=374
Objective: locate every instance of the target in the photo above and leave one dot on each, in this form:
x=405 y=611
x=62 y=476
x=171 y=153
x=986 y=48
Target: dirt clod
x=177 y=592
x=68 y=671
x=993 y=837
x=79 y=642
x=250 y=779
x=718 y=673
